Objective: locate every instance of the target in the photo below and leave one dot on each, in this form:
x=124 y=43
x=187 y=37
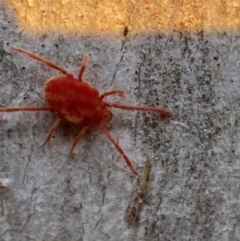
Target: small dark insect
x=79 y=102
x=132 y=213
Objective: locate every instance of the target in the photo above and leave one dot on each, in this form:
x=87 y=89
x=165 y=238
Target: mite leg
x=19 y=109
x=45 y=61
x=162 y=111
x=78 y=137
x=120 y=150
x=112 y=92
x=52 y=130
x=83 y=66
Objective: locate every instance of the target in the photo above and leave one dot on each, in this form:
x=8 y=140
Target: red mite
x=79 y=102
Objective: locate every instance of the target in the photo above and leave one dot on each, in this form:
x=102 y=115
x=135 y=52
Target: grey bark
x=193 y=192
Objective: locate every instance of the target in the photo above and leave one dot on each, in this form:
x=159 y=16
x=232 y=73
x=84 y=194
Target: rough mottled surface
x=193 y=193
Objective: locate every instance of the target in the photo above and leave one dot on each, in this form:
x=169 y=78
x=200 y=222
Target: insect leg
x=45 y=61
x=15 y=109
x=120 y=150
x=112 y=92
x=53 y=128
x=78 y=137
x=162 y=111
x=83 y=66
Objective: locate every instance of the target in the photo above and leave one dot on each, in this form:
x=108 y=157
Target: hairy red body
x=76 y=101
x=79 y=102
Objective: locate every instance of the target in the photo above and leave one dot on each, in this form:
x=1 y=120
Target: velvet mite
x=79 y=102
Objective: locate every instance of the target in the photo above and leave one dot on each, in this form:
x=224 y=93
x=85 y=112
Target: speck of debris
x=4 y=184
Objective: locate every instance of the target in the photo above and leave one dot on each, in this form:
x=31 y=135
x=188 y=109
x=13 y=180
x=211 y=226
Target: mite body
x=76 y=101
x=79 y=102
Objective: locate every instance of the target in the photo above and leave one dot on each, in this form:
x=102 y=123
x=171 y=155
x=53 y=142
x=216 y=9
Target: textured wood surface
x=193 y=191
